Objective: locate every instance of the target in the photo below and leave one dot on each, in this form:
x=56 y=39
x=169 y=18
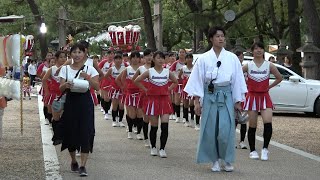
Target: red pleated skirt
x=257 y=101
x=158 y=105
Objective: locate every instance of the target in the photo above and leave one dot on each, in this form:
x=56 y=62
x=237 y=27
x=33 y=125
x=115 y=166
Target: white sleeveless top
x=106 y=67
x=258 y=74
x=143 y=69
x=130 y=72
x=185 y=71
x=115 y=72
x=159 y=79
x=53 y=71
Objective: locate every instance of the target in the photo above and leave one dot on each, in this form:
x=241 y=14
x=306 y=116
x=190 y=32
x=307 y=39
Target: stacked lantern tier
x=126 y=37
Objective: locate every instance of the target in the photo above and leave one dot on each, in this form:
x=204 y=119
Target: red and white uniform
x=145 y=82
x=258 y=97
x=175 y=69
x=185 y=77
x=105 y=85
x=132 y=91
x=158 y=100
x=166 y=66
x=42 y=68
x=53 y=86
x=115 y=90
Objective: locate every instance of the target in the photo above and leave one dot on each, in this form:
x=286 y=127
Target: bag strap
x=67 y=79
x=80 y=71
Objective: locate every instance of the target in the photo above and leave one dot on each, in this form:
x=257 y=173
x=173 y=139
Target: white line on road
x=291 y=149
x=51 y=163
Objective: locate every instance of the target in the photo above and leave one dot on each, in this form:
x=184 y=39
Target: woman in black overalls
x=78 y=115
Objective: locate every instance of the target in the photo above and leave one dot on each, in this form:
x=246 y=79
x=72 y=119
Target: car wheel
x=317 y=108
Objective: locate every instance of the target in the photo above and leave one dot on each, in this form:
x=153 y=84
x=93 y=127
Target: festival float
x=13 y=48
x=125 y=38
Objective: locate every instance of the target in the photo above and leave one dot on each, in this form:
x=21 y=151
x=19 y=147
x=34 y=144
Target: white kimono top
x=205 y=69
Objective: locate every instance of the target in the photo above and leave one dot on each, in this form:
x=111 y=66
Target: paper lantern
x=16 y=49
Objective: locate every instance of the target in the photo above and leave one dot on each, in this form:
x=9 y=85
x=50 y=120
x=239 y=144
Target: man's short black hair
x=213 y=30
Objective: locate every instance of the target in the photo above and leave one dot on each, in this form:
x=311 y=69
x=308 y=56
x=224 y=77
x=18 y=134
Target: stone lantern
x=201 y=49
x=282 y=52
x=309 y=64
x=238 y=46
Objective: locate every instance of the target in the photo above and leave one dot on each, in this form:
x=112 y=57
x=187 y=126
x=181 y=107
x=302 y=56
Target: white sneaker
x=78 y=153
x=216 y=167
x=110 y=111
x=127 y=129
x=146 y=143
x=264 y=154
x=184 y=120
x=134 y=130
x=101 y=109
x=170 y=116
x=106 y=117
x=197 y=127
x=178 y=120
x=242 y=145
x=154 y=152
x=139 y=137
x=115 y=124
x=191 y=123
x=228 y=167
x=162 y=153
x=130 y=135
x=121 y=124
x=254 y=155
x=174 y=116
x=186 y=124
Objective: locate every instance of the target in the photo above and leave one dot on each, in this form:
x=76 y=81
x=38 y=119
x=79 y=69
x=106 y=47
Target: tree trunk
x=313 y=21
x=42 y=40
x=294 y=32
x=148 y=25
x=199 y=30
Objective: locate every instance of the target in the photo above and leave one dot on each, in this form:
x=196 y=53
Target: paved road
x=116 y=157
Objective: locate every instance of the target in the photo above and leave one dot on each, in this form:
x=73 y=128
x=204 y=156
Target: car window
x=285 y=74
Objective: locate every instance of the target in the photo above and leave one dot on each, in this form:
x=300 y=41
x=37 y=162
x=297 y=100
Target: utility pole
x=62 y=27
x=158 y=29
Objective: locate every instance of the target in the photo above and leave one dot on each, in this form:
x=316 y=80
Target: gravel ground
x=295 y=130
x=21 y=156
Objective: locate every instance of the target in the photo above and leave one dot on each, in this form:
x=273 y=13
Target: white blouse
x=71 y=72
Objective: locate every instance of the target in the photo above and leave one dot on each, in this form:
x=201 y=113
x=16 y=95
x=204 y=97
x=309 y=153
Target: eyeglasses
x=211 y=85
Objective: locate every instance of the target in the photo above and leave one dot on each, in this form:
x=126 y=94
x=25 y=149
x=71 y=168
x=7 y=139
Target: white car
x=294 y=93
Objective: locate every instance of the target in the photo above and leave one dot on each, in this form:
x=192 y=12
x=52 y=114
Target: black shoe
x=83 y=171
x=75 y=167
